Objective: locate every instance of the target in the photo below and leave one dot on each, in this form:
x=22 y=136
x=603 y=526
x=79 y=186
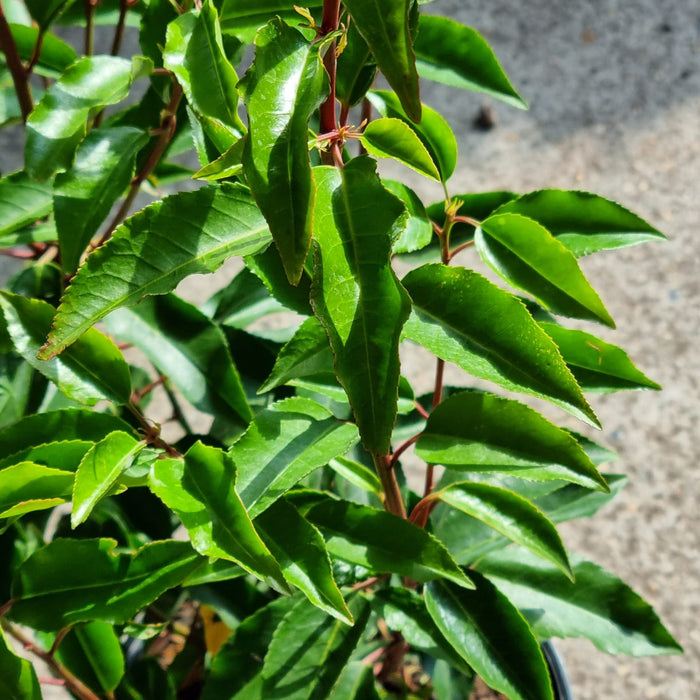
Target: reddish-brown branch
x=393 y=501
x=20 y=78
x=402 y=448
x=327 y=113
x=167 y=125
x=36 y=53
x=5 y=607
x=72 y=683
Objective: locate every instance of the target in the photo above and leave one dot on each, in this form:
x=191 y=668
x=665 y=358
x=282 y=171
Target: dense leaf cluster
x=279 y=552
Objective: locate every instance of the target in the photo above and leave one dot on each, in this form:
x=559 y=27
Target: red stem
x=20 y=78
x=329 y=23
x=392 y=494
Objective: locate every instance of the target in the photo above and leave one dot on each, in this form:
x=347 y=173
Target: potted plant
x=275 y=549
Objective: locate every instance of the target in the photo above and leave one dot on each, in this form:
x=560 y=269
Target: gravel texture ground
x=614 y=92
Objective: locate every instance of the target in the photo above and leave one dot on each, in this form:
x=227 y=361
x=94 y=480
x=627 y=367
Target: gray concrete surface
x=614 y=89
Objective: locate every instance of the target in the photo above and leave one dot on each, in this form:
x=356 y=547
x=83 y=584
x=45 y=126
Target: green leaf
x=91 y=370
x=64 y=454
x=194 y=52
x=585 y=223
x=385 y=28
x=382 y=542
x=99 y=471
x=393 y=138
x=59 y=122
x=17 y=675
x=268 y=267
x=419 y=231
x=527 y=256
x=70 y=581
x=511 y=515
x=598 y=366
x=55 y=55
x=22 y=202
x=226 y=165
x=357 y=474
x=306 y=353
x=463 y=318
x=45 y=12
x=435 y=133
x=286 y=79
x=236 y=670
x=355 y=293
x=242 y=18
x=83 y=196
x=200 y=488
x=93 y=653
x=301 y=552
x=54 y=426
x=193 y=232
x=356 y=683
x=492 y=637
x=285 y=443
x=356 y=69
x=598 y=606
x=26 y=481
x=450 y=53
x=309 y=651
x=477 y=431
x=189 y=348
x=404 y=611
x=573 y=501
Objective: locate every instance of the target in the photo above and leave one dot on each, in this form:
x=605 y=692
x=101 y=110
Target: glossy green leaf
x=382 y=542
x=492 y=637
x=286 y=79
x=55 y=56
x=301 y=552
x=356 y=69
x=573 y=501
x=59 y=122
x=477 y=431
x=83 y=196
x=187 y=347
x=307 y=352
x=200 y=488
x=598 y=606
x=511 y=515
x=17 y=675
x=309 y=651
x=435 y=133
x=27 y=481
x=41 y=232
x=357 y=682
x=54 y=426
x=243 y=18
x=285 y=443
x=450 y=53
x=404 y=611
x=357 y=474
x=463 y=318
x=99 y=471
x=355 y=293
x=194 y=52
x=193 y=232
x=93 y=653
x=268 y=267
x=92 y=369
x=393 y=138
x=70 y=581
x=22 y=202
x=236 y=672
x=45 y=12
x=419 y=231
x=527 y=256
x=65 y=454
x=598 y=366
x=228 y=164
x=585 y=223
x=385 y=28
